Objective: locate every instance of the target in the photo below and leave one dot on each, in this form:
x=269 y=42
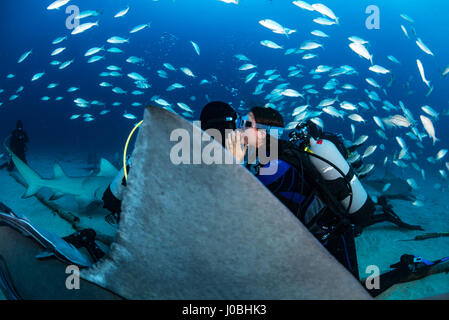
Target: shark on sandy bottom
x=86 y=190
x=398 y=189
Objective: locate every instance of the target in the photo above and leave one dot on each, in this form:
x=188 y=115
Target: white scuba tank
x=327 y=150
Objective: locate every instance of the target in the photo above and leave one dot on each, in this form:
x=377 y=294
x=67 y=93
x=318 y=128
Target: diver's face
x=253 y=137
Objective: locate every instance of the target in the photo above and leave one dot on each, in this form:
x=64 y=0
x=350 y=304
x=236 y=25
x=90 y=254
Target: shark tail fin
x=435 y=140
x=32 y=178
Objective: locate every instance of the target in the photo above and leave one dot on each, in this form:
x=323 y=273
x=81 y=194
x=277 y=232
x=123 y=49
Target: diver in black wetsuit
x=17 y=143
x=291 y=183
x=293 y=186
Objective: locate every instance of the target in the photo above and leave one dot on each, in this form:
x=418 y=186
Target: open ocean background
x=223 y=30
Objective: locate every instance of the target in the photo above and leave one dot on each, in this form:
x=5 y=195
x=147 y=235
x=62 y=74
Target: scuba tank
x=327 y=150
x=337 y=174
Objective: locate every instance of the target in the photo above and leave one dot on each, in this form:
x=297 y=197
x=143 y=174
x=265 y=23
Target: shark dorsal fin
x=107 y=169
x=58 y=172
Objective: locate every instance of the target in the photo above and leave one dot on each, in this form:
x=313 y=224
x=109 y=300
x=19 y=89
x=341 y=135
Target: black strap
x=124 y=180
x=292 y=154
x=338 y=187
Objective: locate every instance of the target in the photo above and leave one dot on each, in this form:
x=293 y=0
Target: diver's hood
x=198 y=231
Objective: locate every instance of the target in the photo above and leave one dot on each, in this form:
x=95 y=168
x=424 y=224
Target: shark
x=398 y=189
x=86 y=190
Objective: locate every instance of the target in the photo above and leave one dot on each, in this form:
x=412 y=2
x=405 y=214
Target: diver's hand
x=235 y=146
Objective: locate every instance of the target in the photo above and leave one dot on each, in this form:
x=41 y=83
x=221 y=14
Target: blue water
x=221 y=30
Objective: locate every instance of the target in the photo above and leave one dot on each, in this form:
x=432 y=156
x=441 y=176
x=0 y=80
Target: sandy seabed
x=379 y=245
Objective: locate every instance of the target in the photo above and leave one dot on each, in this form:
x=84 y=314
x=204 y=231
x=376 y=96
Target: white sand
x=73 y=164
x=42 y=162
x=379 y=245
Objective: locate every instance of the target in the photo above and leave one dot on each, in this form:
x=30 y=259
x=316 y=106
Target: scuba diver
x=17 y=143
x=334 y=210
x=344 y=186
x=215 y=115
x=291 y=183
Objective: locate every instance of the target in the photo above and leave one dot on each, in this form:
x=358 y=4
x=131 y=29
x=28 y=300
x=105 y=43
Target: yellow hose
x=126 y=148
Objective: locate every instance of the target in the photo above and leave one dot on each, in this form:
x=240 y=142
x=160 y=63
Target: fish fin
x=58 y=172
x=32 y=178
x=107 y=169
x=430 y=90
x=435 y=140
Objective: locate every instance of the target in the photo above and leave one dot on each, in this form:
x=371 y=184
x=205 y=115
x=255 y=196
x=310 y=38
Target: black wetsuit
x=291 y=186
x=298 y=185
x=113 y=202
